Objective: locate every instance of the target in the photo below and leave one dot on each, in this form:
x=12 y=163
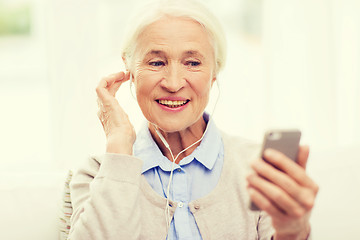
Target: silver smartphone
x=285 y=141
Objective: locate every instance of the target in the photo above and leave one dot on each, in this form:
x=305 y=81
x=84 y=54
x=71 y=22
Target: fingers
x=108 y=105
x=292 y=169
x=303 y=196
x=264 y=203
x=117 y=83
x=108 y=86
x=280 y=185
x=303 y=156
x=273 y=199
x=120 y=134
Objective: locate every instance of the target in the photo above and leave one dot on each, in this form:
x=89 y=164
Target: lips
x=172 y=103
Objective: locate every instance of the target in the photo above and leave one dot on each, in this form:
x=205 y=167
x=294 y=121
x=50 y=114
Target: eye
x=192 y=63
x=156 y=63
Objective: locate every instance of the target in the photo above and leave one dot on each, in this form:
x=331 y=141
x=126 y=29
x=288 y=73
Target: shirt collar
x=147 y=150
x=206 y=153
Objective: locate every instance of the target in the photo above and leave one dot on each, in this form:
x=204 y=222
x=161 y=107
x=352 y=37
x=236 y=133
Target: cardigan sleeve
x=104 y=196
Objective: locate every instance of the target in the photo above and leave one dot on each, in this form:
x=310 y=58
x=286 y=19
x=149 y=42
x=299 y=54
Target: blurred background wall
x=291 y=63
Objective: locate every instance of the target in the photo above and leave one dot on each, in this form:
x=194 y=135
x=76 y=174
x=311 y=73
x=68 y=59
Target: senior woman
x=180 y=177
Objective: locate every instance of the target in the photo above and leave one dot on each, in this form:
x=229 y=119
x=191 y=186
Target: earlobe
x=213 y=80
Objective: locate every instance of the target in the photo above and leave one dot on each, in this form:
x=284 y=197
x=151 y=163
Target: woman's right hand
x=120 y=133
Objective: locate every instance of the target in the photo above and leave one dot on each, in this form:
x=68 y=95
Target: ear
x=128 y=69
x=125 y=63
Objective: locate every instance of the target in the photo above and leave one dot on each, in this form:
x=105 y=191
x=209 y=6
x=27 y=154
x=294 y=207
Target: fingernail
x=250 y=176
x=269 y=153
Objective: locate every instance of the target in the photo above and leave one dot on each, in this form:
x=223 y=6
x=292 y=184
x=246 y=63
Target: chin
x=171 y=126
x=175 y=124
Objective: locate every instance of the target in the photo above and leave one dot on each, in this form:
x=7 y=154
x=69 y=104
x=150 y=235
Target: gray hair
x=192 y=9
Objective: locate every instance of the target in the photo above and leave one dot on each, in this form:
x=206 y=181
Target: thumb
x=303 y=156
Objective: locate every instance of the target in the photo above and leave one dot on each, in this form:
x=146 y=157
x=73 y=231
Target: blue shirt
x=194 y=177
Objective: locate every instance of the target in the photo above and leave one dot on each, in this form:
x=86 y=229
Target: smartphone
x=285 y=141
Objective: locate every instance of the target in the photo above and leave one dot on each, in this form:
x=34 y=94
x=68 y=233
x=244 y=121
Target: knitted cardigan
x=112 y=200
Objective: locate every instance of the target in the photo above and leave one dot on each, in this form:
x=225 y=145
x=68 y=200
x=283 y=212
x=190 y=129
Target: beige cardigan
x=112 y=200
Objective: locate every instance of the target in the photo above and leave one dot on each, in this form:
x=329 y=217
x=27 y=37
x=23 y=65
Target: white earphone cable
x=167 y=208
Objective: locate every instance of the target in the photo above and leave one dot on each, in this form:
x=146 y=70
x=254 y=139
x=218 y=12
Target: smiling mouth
x=172 y=104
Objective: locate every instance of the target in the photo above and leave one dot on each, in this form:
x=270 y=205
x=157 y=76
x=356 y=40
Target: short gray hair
x=192 y=9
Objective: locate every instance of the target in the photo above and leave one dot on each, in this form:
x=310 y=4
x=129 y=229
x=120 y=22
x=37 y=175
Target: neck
x=179 y=140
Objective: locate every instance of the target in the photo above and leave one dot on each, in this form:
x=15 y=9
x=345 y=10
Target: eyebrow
x=154 y=52
x=193 y=53
x=186 y=53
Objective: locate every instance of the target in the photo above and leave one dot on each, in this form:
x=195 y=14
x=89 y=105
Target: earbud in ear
x=133 y=92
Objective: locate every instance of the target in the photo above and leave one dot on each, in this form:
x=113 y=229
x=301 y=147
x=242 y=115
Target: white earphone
x=163 y=140
x=167 y=208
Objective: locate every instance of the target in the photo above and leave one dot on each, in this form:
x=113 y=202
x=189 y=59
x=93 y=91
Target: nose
x=173 y=79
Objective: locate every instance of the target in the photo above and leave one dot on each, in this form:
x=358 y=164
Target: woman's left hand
x=281 y=187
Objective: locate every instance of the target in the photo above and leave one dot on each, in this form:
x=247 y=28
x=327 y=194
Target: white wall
x=290 y=64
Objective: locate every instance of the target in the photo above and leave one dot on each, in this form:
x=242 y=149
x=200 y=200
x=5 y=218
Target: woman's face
x=174 y=72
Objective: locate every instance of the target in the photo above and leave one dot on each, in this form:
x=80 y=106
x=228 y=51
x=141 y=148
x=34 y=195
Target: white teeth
x=170 y=103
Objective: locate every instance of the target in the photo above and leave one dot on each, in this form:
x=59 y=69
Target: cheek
x=145 y=82
x=141 y=80
x=201 y=86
